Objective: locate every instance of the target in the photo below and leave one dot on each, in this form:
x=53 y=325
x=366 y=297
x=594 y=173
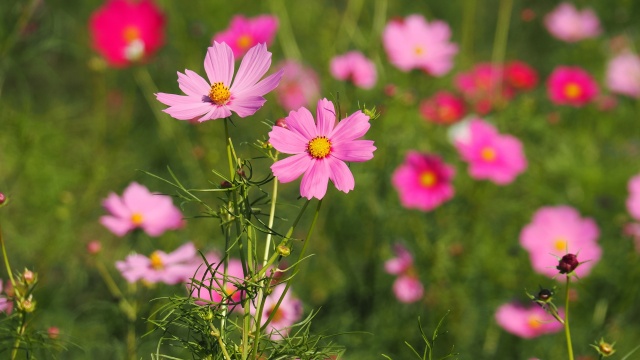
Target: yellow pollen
x=130 y=34
x=245 y=41
x=488 y=154
x=219 y=93
x=156 y=261
x=560 y=244
x=418 y=50
x=534 y=322
x=572 y=90
x=428 y=178
x=277 y=316
x=137 y=219
x=319 y=147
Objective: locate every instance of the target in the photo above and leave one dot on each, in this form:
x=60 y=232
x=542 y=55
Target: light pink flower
x=491 y=155
x=401 y=263
x=423 y=181
x=484 y=86
x=299 y=86
x=527 y=322
x=210 y=285
x=408 y=289
x=356 y=67
x=556 y=231
x=320 y=149
x=173 y=268
x=633 y=201
x=623 y=74
x=222 y=94
x=288 y=313
x=6 y=304
x=139 y=208
x=571 y=86
x=413 y=43
x=124 y=31
x=244 y=33
x=443 y=108
x=568 y=24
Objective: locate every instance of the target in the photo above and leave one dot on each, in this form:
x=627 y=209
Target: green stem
x=131 y=328
x=567 y=331
x=468 y=30
x=6 y=261
x=500 y=39
x=272 y=214
x=285 y=32
x=19 y=333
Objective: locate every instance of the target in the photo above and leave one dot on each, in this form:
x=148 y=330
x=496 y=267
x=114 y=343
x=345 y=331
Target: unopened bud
x=225 y=185
x=3 y=199
x=283 y=250
x=282 y=123
x=53 y=332
x=604 y=348
x=545 y=295
x=29 y=277
x=27 y=305
x=94 y=247
x=568 y=263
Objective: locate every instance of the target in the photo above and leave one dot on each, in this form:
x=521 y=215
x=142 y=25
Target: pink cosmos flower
x=320 y=149
x=221 y=95
x=299 y=86
x=527 y=322
x=288 y=313
x=139 y=208
x=171 y=269
x=623 y=74
x=125 y=31
x=211 y=286
x=484 y=87
x=423 y=182
x=571 y=86
x=408 y=289
x=401 y=263
x=6 y=305
x=356 y=67
x=244 y=33
x=413 y=43
x=556 y=231
x=520 y=76
x=633 y=201
x=568 y=24
x=492 y=156
x=443 y=108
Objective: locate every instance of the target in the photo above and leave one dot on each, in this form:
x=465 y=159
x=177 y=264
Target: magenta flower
x=633 y=201
x=356 y=67
x=568 y=24
x=408 y=289
x=124 y=32
x=244 y=33
x=571 y=86
x=288 y=313
x=423 y=182
x=557 y=231
x=443 y=108
x=413 y=43
x=221 y=95
x=173 y=268
x=6 y=304
x=520 y=76
x=139 y=208
x=623 y=74
x=320 y=149
x=492 y=156
x=299 y=86
x=484 y=87
x=401 y=263
x=211 y=285
x=527 y=322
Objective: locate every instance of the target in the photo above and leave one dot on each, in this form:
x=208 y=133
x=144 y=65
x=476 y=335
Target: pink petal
x=267 y=84
x=219 y=63
x=302 y=122
x=116 y=225
x=340 y=175
x=326 y=117
x=292 y=167
x=355 y=150
x=216 y=112
x=113 y=203
x=315 y=180
x=246 y=105
x=353 y=127
x=253 y=66
x=183 y=107
x=287 y=141
x=193 y=84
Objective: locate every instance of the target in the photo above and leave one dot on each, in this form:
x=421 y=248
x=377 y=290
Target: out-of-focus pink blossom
x=244 y=33
x=299 y=86
x=423 y=181
x=407 y=286
x=413 y=43
x=288 y=313
x=568 y=24
x=173 y=268
x=6 y=304
x=356 y=67
x=571 y=86
x=483 y=86
x=139 y=208
x=443 y=108
x=633 y=201
x=556 y=231
x=527 y=322
x=94 y=247
x=210 y=286
x=124 y=32
x=491 y=155
x=520 y=76
x=623 y=74
x=401 y=263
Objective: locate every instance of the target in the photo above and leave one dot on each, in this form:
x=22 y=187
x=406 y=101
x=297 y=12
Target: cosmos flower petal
x=340 y=174
x=326 y=117
x=266 y=85
x=116 y=225
x=354 y=151
x=353 y=127
x=301 y=122
x=315 y=180
x=253 y=66
x=286 y=141
x=219 y=64
x=291 y=168
x=246 y=106
x=193 y=84
x=216 y=112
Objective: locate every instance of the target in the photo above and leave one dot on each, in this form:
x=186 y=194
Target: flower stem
x=500 y=40
x=567 y=331
x=272 y=214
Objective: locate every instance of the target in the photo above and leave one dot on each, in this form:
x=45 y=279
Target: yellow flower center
x=156 y=261
x=572 y=90
x=488 y=154
x=277 y=316
x=244 y=41
x=446 y=113
x=137 y=219
x=130 y=33
x=534 y=322
x=428 y=178
x=319 y=147
x=418 y=50
x=560 y=244
x=219 y=93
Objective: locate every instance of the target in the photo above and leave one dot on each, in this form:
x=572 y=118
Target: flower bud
x=53 y=332
x=27 y=305
x=94 y=247
x=604 y=348
x=568 y=263
x=4 y=200
x=225 y=185
x=282 y=123
x=545 y=294
x=283 y=250
x=29 y=277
